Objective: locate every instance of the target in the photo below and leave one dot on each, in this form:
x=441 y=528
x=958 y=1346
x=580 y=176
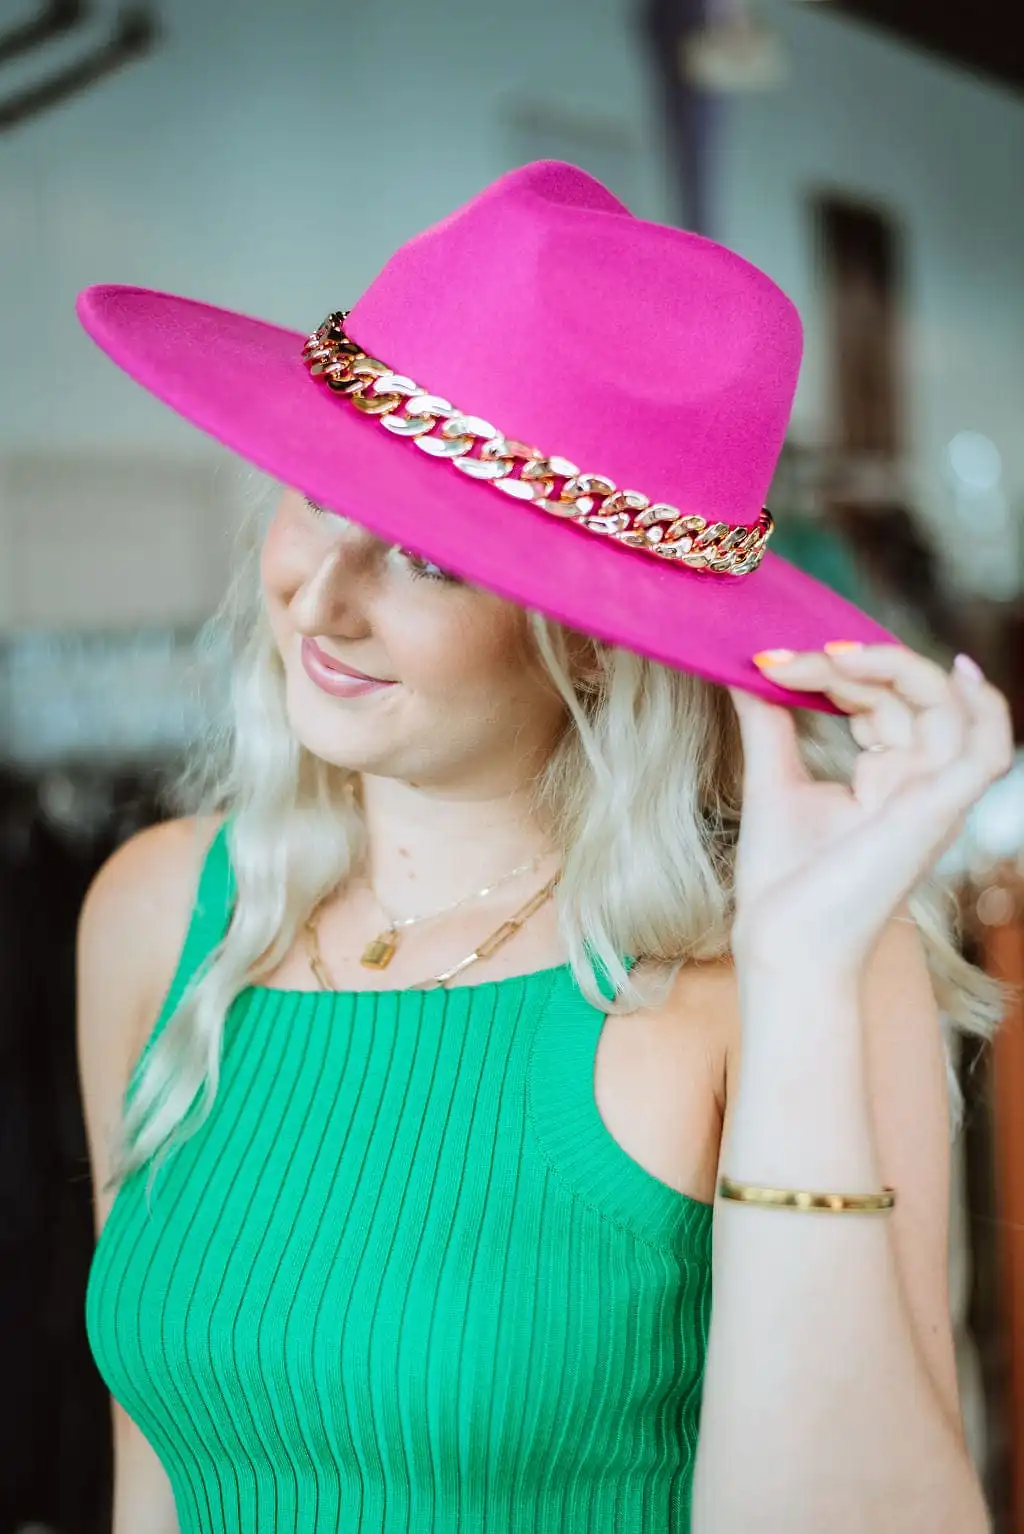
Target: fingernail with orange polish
x=837 y=646
x=772 y=657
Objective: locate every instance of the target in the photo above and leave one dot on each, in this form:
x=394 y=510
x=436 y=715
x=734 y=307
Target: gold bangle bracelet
x=827 y=1203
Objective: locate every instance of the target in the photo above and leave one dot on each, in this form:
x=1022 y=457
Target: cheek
x=286 y=562
x=476 y=659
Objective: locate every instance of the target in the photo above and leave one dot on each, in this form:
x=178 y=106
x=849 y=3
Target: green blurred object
x=819 y=551
x=828 y=556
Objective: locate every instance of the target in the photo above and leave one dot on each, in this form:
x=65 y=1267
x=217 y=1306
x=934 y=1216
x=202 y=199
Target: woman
x=442 y=998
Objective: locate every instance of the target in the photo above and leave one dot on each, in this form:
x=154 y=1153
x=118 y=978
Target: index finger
x=916 y=679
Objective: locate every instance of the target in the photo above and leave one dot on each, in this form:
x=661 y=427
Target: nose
x=332 y=599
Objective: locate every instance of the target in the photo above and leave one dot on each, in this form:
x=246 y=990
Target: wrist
x=801 y=986
x=796 y=962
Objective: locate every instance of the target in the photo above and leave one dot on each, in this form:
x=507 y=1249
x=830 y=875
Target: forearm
x=819 y=1412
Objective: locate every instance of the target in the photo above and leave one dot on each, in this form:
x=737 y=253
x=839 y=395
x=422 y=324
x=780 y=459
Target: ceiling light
x=733 y=51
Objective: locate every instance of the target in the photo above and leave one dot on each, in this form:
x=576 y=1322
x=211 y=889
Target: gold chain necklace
x=379 y=953
x=490 y=945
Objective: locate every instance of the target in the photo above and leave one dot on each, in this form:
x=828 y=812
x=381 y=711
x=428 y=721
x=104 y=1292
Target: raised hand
x=822 y=866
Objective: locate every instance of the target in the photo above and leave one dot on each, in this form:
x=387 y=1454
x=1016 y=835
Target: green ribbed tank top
x=404 y=1280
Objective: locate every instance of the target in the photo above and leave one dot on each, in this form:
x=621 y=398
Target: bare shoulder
x=702 y=1013
x=130 y=933
x=896 y=983
x=660 y=1078
x=696 y=1034
x=136 y=911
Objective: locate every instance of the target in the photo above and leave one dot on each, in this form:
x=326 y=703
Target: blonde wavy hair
x=643 y=792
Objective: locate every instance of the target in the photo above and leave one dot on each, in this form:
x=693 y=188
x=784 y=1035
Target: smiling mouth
x=333 y=664
x=333 y=676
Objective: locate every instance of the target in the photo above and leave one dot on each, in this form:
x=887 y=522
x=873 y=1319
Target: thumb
x=771 y=751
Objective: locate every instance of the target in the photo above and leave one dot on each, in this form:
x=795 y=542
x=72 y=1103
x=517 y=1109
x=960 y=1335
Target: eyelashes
x=424 y=569
x=419 y=568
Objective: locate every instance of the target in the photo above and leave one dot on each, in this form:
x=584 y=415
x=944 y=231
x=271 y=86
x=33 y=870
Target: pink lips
x=333 y=677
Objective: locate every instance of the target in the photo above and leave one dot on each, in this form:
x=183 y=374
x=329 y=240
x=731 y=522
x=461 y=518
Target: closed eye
x=424 y=569
x=418 y=567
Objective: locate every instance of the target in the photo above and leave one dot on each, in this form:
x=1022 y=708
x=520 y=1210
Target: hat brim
x=243 y=381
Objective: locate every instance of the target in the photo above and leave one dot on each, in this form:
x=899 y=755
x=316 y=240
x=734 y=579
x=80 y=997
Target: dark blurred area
x=55 y=830
x=269 y=158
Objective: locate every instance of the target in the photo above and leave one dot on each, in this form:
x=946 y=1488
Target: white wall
x=270 y=157
x=267 y=157
x=944 y=151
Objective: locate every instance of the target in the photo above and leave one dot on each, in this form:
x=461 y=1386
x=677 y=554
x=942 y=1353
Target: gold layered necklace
x=498 y=938
x=379 y=952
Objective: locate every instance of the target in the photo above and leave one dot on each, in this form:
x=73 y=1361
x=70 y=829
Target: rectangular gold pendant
x=379 y=953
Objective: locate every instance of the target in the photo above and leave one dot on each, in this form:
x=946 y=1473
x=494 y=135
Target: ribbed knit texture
x=404 y=1280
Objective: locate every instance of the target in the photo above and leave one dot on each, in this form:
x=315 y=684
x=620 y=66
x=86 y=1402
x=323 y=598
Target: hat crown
x=641 y=352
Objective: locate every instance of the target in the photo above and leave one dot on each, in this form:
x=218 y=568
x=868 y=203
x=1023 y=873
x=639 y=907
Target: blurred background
x=269 y=157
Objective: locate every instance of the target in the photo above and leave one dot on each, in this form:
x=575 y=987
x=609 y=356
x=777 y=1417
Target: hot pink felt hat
x=573 y=407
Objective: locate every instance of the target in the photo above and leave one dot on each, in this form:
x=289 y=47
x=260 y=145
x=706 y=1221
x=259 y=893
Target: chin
x=344 y=743
x=355 y=738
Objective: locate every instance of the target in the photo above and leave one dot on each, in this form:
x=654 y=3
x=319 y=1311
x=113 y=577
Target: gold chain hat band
x=555 y=485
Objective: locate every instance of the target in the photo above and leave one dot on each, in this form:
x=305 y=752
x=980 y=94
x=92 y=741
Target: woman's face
x=455 y=699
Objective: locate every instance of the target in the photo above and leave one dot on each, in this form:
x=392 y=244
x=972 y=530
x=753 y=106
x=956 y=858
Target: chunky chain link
x=480 y=450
